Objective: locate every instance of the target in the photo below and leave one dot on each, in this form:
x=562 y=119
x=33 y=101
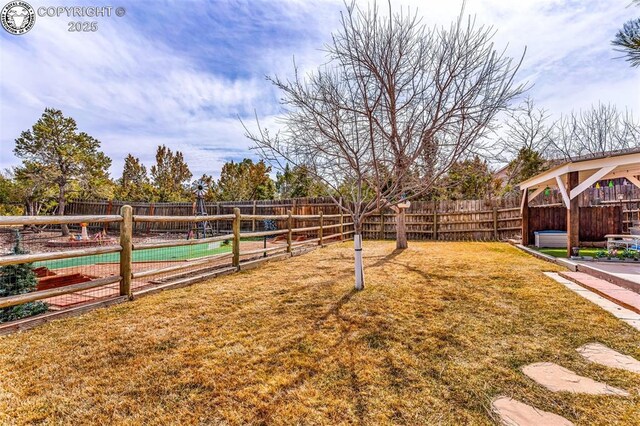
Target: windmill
x=203 y=229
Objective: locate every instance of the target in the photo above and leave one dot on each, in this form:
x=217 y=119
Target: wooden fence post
x=152 y=212
x=105 y=227
x=126 y=228
x=381 y=225
x=320 y=231
x=495 y=223
x=435 y=222
x=236 y=238
x=341 y=226
x=290 y=233
x=253 y=222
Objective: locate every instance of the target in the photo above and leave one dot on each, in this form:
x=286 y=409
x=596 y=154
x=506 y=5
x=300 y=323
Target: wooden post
x=105 y=227
x=320 y=231
x=217 y=222
x=126 y=228
x=525 y=218
x=152 y=212
x=381 y=225
x=341 y=226
x=253 y=222
x=573 y=215
x=290 y=233
x=495 y=223
x=236 y=238
x=435 y=221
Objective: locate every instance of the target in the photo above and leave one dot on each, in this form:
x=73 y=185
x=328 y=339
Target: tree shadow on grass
x=387 y=258
x=335 y=308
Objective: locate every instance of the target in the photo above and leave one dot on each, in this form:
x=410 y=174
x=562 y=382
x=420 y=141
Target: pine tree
x=64 y=157
x=627 y=40
x=134 y=185
x=170 y=175
x=19 y=279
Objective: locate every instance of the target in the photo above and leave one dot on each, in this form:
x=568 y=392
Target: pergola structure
x=574 y=177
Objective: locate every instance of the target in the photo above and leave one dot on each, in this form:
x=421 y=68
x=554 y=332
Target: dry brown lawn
x=440 y=330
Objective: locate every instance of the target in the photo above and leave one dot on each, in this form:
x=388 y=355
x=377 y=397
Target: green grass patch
x=562 y=252
x=146 y=255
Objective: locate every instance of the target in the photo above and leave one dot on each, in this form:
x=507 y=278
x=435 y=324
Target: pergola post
x=573 y=214
x=525 y=217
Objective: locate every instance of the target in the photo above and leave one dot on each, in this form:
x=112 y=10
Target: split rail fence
x=297 y=237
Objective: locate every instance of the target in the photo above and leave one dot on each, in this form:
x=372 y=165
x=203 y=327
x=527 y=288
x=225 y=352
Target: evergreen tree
x=627 y=40
x=134 y=185
x=297 y=182
x=468 y=179
x=19 y=279
x=526 y=165
x=170 y=175
x=64 y=157
x=245 y=180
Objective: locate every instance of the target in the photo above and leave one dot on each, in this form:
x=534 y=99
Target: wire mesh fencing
x=54 y=264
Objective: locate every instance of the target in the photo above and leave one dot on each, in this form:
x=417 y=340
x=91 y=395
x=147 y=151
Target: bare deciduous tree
x=394 y=107
x=595 y=131
x=526 y=133
x=526 y=127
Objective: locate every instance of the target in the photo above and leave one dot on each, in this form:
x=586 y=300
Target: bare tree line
x=595 y=131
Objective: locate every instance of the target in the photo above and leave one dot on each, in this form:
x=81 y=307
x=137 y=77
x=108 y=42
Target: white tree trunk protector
x=357 y=242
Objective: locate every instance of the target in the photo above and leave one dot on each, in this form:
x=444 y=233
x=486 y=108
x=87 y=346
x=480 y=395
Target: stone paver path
x=623 y=314
x=620 y=295
x=516 y=413
x=600 y=354
x=559 y=379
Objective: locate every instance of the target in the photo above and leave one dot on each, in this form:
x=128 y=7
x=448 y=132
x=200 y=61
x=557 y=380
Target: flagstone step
x=559 y=379
x=603 y=355
x=619 y=295
x=516 y=413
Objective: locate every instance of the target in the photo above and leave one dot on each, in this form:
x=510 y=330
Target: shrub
x=19 y=279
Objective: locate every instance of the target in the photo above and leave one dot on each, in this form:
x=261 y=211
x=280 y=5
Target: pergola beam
x=598 y=175
x=634 y=180
x=622 y=161
x=563 y=191
x=537 y=192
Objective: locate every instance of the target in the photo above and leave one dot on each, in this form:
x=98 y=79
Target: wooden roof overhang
x=590 y=171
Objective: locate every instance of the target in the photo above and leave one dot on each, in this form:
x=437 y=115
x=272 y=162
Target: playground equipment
x=83 y=240
x=203 y=229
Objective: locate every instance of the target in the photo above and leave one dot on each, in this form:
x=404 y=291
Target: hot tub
x=551 y=238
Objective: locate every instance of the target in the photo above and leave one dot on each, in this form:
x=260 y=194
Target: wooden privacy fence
x=326 y=229
x=442 y=220
x=595 y=221
x=475 y=220
x=497 y=219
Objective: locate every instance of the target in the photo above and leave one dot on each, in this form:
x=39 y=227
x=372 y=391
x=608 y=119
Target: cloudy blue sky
x=180 y=72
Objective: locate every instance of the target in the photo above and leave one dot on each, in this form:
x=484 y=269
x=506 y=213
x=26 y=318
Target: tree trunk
x=359 y=268
x=61 y=206
x=401 y=229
